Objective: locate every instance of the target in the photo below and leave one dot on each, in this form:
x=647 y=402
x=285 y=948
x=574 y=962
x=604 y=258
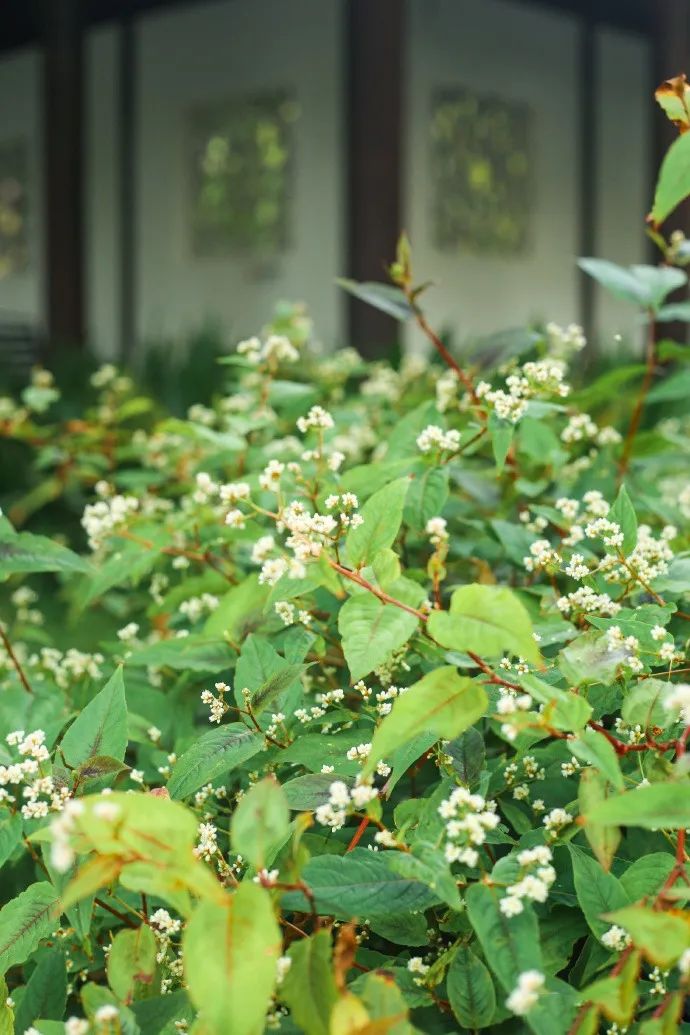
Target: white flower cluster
x=526 y=993
x=22 y=599
x=556 y=820
x=342 y=800
x=276 y=349
x=104 y=516
x=289 y=614
x=65 y=668
x=678 y=701
x=510 y=702
x=195 y=607
x=468 y=818
x=40 y=792
x=616 y=938
x=433 y=438
x=348 y=502
x=437 y=530
x=536 y=877
x=565 y=340
x=216 y=705
x=208 y=842
x=316 y=418
x=447 y=390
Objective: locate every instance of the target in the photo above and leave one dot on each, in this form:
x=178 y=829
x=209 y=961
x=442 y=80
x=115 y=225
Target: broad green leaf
x=442 y=702
x=467 y=754
x=46 y=991
x=426 y=496
x=427 y=864
x=510 y=944
x=185 y=654
x=309 y=987
x=212 y=755
x=240 y=611
x=25 y=552
x=10 y=835
x=564 y=709
x=306 y=793
x=660 y=936
x=266 y=674
x=616 y=996
x=657 y=806
x=358 y=884
x=618 y=280
x=643 y=704
x=676 y=386
x=487 y=620
x=260 y=823
x=623 y=512
x=382 y=516
x=673 y=184
x=24 y=921
x=647 y=875
x=386 y=1006
x=597 y=892
x=470 y=990
x=371 y=631
x=131 y=962
x=592 y=747
x=594 y=788
x=101 y=729
x=386 y=297
x=501 y=432
x=231 y=985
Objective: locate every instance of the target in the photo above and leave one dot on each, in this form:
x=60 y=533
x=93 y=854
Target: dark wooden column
x=671 y=57
x=374 y=123
x=127 y=102
x=587 y=146
x=63 y=170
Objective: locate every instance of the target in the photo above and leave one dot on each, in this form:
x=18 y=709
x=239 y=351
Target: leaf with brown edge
x=673 y=96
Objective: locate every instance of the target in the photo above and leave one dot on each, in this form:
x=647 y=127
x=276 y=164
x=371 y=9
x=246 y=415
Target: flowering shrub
x=355 y=702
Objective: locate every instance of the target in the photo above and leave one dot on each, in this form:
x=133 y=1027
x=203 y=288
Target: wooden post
x=127 y=96
x=63 y=170
x=374 y=119
x=671 y=57
x=589 y=107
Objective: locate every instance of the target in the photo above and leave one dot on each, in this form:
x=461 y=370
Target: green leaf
x=647 y=875
x=212 y=755
x=659 y=806
x=185 y=654
x=563 y=709
x=661 y=937
x=131 y=962
x=25 y=552
x=427 y=864
x=673 y=184
x=592 y=747
x=442 y=702
x=260 y=823
x=623 y=513
x=24 y=921
x=426 y=496
x=309 y=987
x=371 y=631
x=101 y=729
x=677 y=386
x=618 y=280
x=232 y=985
x=594 y=788
x=386 y=297
x=487 y=620
x=467 y=754
x=360 y=883
x=265 y=673
x=46 y=991
x=240 y=611
x=510 y=944
x=597 y=892
x=382 y=514
x=10 y=835
x=643 y=704
x=470 y=990
x=501 y=432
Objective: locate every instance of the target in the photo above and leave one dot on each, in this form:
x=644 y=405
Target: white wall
x=206 y=53
x=101 y=193
x=527 y=54
x=22 y=294
x=624 y=150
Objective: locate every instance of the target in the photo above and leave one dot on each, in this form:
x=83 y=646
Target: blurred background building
x=169 y=162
